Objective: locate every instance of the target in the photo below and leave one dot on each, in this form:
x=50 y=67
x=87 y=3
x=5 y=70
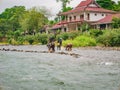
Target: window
x=88 y=16
x=102 y=14
x=81 y=17
x=74 y=17
x=95 y=14
x=70 y=18
x=65 y=29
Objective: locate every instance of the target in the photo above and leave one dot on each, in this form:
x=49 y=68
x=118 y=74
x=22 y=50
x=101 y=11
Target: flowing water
x=92 y=70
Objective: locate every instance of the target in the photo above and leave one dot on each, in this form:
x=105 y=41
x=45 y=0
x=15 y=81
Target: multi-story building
x=89 y=12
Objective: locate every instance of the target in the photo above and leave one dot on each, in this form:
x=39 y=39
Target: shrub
x=85 y=27
x=16 y=34
x=12 y=41
x=42 y=38
x=96 y=33
x=30 y=39
x=85 y=41
x=110 y=38
x=68 y=35
x=115 y=39
x=20 y=40
x=73 y=35
x=64 y=36
x=81 y=41
x=116 y=22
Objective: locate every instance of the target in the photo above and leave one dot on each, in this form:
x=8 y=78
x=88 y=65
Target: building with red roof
x=87 y=11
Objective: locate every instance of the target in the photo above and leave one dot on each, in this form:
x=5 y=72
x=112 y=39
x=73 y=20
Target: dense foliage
x=64 y=4
x=68 y=35
x=109 y=4
x=96 y=37
x=17 y=21
x=116 y=22
x=110 y=38
x=9 y=19
x=81 y=41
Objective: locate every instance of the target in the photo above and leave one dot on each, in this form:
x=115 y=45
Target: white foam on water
x=105 y=63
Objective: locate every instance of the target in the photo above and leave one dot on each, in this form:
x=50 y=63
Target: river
x=92 y=70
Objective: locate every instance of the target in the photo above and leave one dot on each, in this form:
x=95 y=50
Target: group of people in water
x=52 y=43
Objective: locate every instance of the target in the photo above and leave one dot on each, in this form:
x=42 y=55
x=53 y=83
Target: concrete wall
x=96 y=16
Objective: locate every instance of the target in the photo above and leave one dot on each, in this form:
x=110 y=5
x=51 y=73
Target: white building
x=87 y=11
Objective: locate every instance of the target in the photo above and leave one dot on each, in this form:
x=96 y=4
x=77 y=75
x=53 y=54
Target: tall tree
x=9 y=19
x=116 y=22
x=117 y=6
x=64 y=3
x=33 y=20
x=109 y=4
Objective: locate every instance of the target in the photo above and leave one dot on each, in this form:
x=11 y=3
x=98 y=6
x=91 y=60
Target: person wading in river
x=59 y=43
x=68 y=47
x=51 y=45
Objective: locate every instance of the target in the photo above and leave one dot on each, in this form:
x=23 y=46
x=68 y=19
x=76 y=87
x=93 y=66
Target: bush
x=20 y=40
x=116 y=23
x=12 y=41
x=73 y=42
x=115 y=40
x=73 y=35
x=16 y=34
x=30 y=39
x=86 y=41
x=68 y=35
x=64 y=36
x=110 y=38
x=96 y=33
x=42 y=38
x=81 y=41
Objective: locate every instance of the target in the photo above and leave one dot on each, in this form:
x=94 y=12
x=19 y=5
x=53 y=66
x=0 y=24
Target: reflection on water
x=93 y=70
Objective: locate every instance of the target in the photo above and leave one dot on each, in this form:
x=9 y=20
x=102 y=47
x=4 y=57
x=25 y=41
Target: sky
x=51 y=5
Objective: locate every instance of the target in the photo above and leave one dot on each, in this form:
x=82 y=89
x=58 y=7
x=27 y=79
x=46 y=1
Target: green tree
x=67 y=9
x=85 y=27
x=33 y=20
x=109 y=4
x=117 y=6
x=116 y=22
x=3 y=26
x=64 y=3
x=11 y=16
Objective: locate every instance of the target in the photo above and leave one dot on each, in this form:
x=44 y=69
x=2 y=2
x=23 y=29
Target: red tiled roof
x=96 y=9
x=108 y=19
x=56 y=26
x=84 y=3
x=92 y=9
x=74 y=10
x=79 y=7
x=83 y=6
x=59 y=25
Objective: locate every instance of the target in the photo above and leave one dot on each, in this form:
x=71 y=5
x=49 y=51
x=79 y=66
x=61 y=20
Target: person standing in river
x=59 y=43
x=51 y=45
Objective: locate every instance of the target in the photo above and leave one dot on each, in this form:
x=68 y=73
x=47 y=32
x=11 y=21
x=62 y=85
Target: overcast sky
x=51 y=5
